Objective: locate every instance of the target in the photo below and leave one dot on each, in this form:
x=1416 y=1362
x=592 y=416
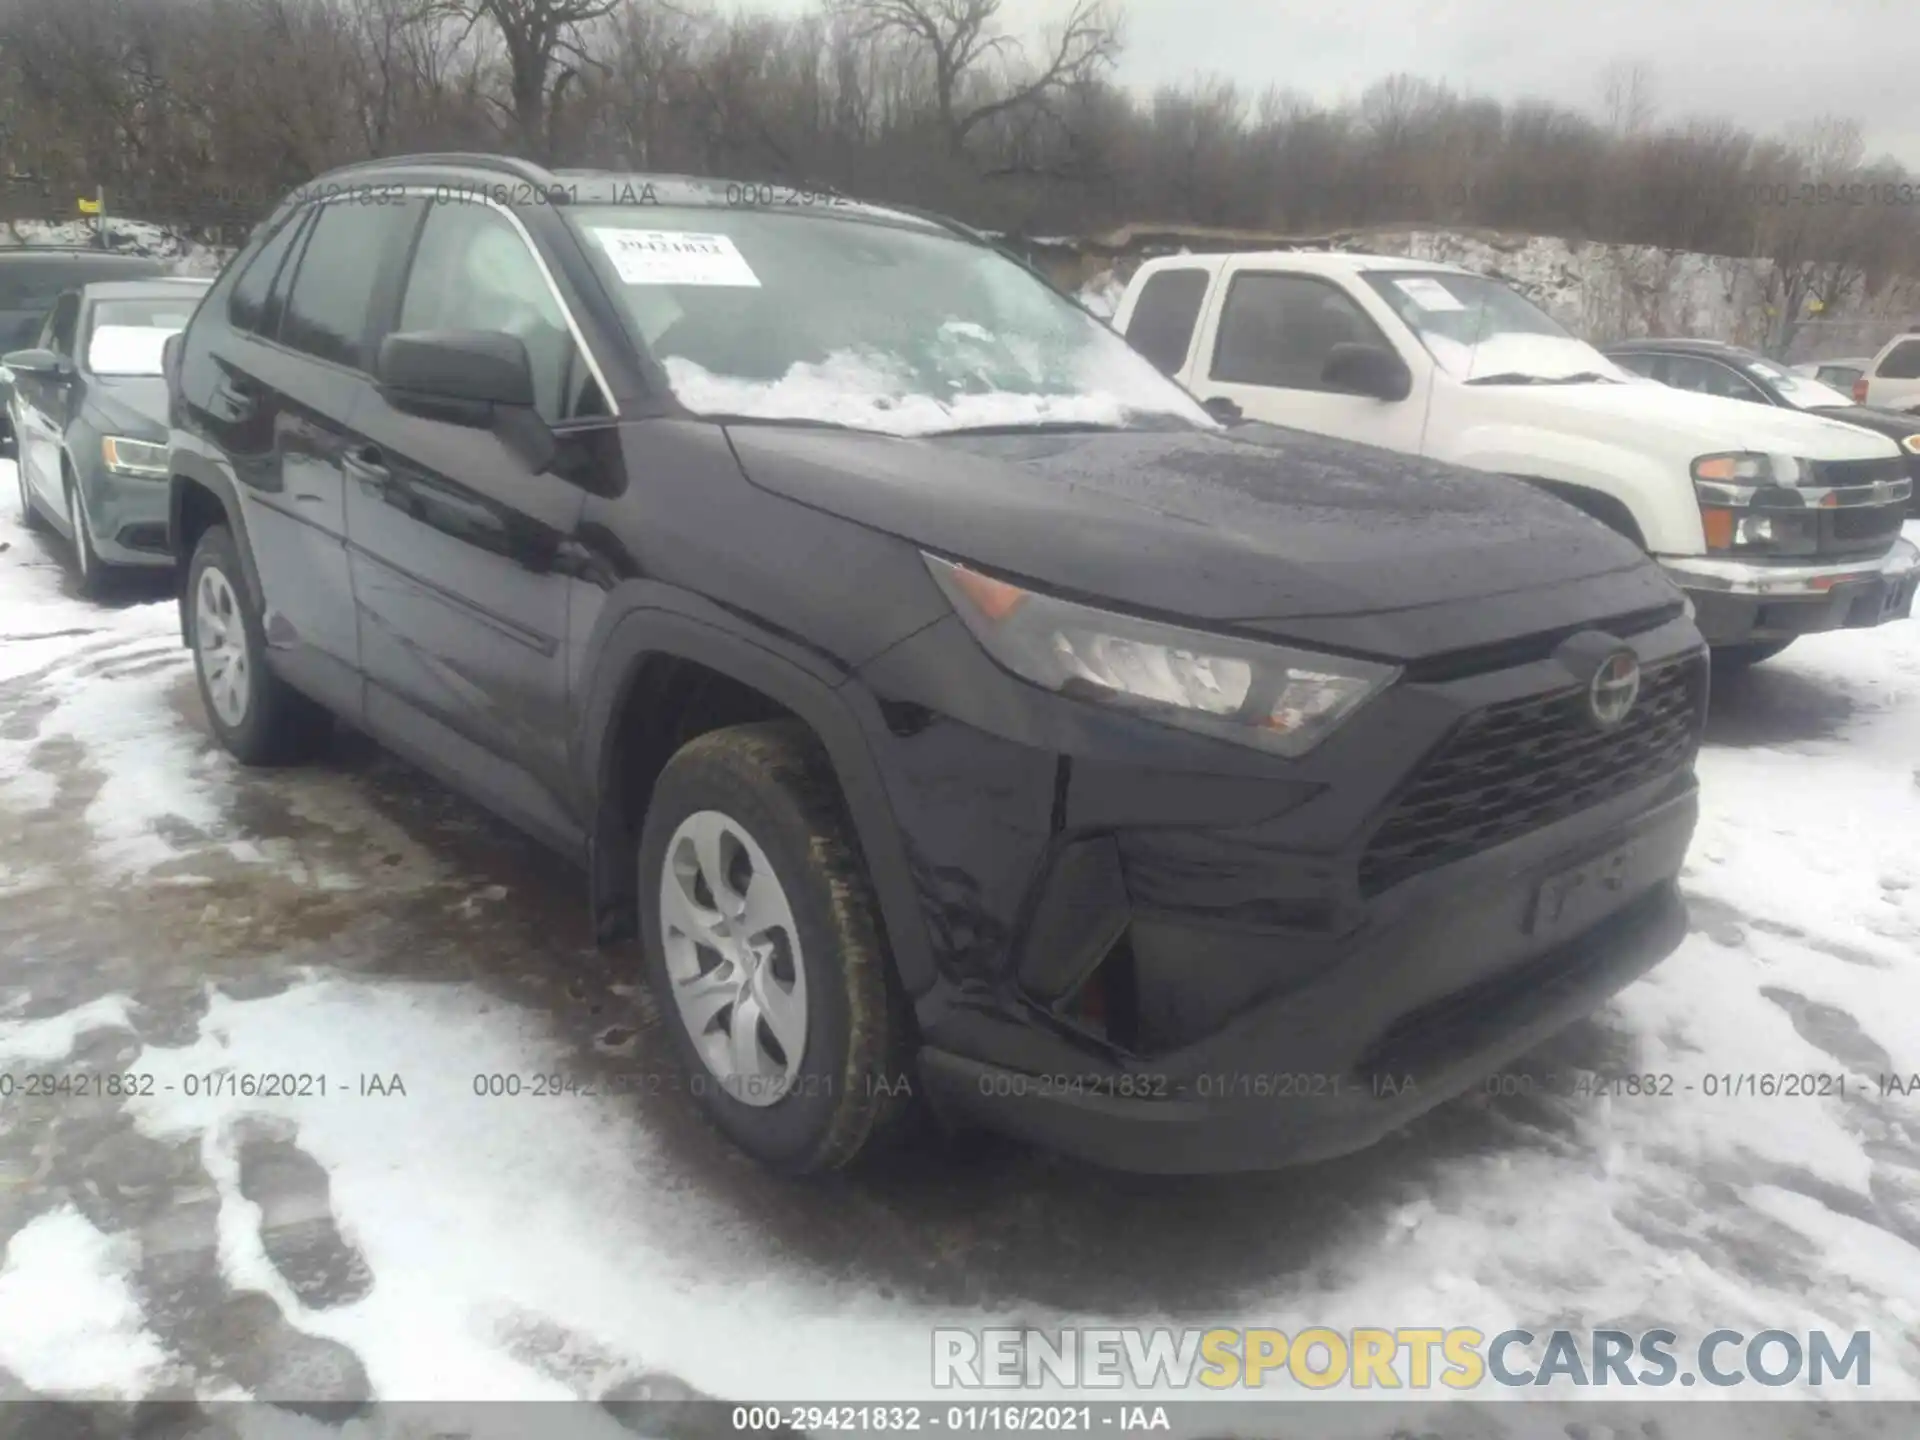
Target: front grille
x=1843 y=474
x=1516 y=766
x=1867 y=525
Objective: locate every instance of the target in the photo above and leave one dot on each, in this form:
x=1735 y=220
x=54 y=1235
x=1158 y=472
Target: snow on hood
x=868 y=392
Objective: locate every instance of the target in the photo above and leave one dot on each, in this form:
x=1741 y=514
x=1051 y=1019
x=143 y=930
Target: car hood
x=1895 y=423
x=134 y=405
x=1686 y=418
x=1255 y=525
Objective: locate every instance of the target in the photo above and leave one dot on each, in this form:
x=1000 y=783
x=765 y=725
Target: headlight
x=1911 y=444
x=1730 y=486
x=134 y=457
x=1272 y=697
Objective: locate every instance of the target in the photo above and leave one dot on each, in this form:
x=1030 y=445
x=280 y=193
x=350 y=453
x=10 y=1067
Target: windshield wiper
x=1515 y=377
x=1041 y=427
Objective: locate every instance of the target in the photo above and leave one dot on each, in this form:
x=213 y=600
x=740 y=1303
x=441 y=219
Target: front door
x=464 y=554
x=1265 y=347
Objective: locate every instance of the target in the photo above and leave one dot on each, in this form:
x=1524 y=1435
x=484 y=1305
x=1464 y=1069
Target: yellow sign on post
x=89 y=207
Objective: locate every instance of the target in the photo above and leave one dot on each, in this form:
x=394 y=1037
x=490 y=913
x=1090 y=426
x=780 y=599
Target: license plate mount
x=1570 y=899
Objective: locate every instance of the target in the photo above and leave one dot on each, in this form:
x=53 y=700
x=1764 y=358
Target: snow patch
x=70 y=1326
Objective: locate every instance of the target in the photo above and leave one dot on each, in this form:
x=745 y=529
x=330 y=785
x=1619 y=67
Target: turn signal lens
x=1718 y=525
x=995 y=599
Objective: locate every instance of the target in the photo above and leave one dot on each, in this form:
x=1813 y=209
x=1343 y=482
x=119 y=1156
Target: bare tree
x=963 y=40
x=545 y=56
x=1626 y=96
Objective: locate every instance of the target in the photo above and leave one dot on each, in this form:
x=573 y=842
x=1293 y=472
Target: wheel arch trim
x=828 y=706
x=194 y=470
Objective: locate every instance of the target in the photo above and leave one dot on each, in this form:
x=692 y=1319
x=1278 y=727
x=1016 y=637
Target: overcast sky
x=1763 y=63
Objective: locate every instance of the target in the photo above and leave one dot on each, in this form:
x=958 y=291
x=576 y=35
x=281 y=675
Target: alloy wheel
x=220 y=646
x=733 y=957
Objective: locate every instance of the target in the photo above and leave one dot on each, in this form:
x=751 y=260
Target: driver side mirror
x=37 y=362
x=481 y=379
x=1370 y=370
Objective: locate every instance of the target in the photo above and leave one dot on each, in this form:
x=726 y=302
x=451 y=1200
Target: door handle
x=365 y=464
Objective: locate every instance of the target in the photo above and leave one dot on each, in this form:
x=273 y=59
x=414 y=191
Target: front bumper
x=1739 y=601
x=128 y=515
x=1166 y=957
x=1333 y=1067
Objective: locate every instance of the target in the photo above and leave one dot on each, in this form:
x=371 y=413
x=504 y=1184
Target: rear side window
x=1161 y=327
x=1278 y=330
x=1710 y=377
x=1902 y=362
x=1639 y=363
x=247 y=304
x=329 y=308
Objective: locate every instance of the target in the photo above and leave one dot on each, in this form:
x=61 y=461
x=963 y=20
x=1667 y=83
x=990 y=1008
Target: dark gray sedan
x=89 y=409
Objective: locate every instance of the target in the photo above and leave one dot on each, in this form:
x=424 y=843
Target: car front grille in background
x=1516 y=766
x=1866 y=525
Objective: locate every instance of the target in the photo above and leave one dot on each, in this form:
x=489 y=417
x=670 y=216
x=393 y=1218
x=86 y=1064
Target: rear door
x=464 y=555
x=289 y=368
x=1165 y=315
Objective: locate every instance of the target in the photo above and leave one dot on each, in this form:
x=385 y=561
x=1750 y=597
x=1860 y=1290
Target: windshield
x=1480 y=329
x=128 y=335
x=892 y=328
x=1801 y=391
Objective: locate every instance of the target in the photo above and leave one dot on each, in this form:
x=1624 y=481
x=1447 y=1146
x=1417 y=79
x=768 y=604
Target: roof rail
x=475 y=160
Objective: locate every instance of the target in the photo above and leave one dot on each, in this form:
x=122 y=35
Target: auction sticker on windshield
x=1429 y=294
x=674 y=257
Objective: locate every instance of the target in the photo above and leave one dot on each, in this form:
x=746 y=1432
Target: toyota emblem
x=1614 y=688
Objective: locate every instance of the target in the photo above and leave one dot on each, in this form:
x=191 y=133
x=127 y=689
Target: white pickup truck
x=1777 y=524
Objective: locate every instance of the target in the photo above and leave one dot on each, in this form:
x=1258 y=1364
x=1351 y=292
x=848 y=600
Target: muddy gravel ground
x=252 y=1027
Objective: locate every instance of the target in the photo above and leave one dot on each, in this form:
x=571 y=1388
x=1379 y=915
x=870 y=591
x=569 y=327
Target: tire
x=92 y=576
x=1742 y=657
x=768 y=788
x=257 y=716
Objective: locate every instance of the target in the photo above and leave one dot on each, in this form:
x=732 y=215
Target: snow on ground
x=69 y=1324
x=477 y=1246
x=127 y=236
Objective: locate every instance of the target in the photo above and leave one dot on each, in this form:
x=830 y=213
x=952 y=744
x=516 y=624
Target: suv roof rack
x=473 y=160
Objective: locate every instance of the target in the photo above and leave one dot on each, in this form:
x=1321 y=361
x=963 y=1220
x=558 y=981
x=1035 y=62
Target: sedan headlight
x=134 y=457
x=1272 y=697
x=1911 y=444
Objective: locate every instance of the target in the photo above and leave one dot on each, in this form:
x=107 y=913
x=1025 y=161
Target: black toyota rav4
x=957 y=716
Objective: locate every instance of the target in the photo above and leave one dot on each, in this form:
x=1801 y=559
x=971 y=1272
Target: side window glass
x=473 y=271
x=247 y=301
x=1709 y=377
x=1161 y=327
x=1902 y=362
x=330 y=305
x=62 y=321
x=1639 y=363
x=1277 y=330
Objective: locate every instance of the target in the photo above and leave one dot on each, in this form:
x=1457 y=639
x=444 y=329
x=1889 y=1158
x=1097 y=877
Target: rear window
x=1902 y=362
x=29 y=284
x=30 y=281
x=1161 y=327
